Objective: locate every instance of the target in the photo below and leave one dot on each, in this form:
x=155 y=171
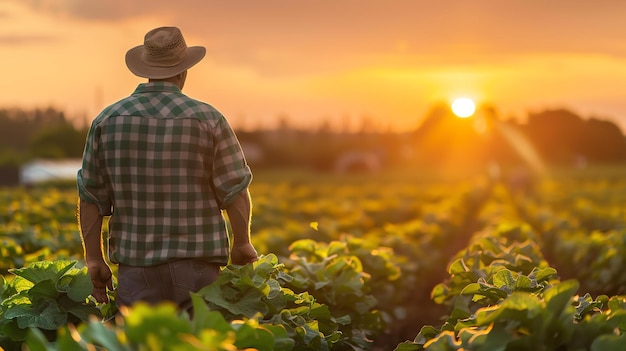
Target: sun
x=463 y=107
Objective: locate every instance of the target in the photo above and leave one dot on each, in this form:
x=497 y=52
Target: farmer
x=163 y=166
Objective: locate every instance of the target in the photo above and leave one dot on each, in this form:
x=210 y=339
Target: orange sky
x=326 y=59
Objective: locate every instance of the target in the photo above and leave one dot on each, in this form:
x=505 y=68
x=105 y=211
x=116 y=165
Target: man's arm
x=90 y=222
x=239 y=214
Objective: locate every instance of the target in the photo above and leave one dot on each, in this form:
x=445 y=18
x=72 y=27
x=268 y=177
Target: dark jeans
x=172 y=281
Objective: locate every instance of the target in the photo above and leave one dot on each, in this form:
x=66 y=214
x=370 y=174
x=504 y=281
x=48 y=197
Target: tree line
x=38 y=133
x=558 y=137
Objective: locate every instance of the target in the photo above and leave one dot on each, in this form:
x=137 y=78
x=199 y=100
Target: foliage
x=26 y=134
x=374 y=248
x=551 y=319
x=162 y=327
x=332 y=315
x=501 y=256
x=47 y=133
x=335 y=277
x=61 y=141
x=496 y=306
x=593 y=139
x=37 y=225
x=255 y=291
x=45 y=295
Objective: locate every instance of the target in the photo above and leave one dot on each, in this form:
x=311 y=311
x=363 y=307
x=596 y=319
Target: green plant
x=334 y=275
x=255 y=291
x=163 y=327
x=45 y=295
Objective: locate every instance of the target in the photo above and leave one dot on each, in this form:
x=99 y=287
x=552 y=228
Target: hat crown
x=164 y=47
x=163 y=54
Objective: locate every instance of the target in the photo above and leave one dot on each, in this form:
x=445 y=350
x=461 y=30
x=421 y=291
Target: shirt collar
x=155 y=87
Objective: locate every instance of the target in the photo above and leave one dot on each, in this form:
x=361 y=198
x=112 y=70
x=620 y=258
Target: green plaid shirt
x=163 y=166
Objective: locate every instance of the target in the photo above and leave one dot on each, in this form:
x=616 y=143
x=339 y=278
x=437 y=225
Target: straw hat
x=163 y=54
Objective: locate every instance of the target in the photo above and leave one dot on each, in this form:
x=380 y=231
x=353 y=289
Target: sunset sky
x=336 y=60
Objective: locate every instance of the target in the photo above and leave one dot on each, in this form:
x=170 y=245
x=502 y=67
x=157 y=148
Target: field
x=380 y=261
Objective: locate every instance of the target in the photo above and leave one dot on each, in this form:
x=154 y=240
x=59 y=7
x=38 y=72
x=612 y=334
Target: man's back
x=163 y=158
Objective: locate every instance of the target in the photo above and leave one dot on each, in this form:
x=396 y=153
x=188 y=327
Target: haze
x=312 y=61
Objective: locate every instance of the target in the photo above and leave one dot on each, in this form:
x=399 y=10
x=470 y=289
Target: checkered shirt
x=163 y=166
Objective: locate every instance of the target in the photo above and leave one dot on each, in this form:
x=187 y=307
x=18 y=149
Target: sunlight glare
x=463 y=107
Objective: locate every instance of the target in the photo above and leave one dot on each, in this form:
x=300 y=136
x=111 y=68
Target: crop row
x=378 y=260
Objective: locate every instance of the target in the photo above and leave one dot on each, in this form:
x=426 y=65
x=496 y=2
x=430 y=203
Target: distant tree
x=604 y=141
x=61 y=141
x=562 y=137
x=557 y=134
x=18 y=126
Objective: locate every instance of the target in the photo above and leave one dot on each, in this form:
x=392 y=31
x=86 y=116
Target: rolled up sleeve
x=231 y=173
x=90 y=180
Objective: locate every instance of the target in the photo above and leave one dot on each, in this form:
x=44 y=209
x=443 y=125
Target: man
x=163 y=166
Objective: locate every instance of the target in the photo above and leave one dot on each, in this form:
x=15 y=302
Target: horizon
x=320 y=61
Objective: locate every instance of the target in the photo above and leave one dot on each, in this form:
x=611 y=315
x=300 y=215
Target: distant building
x=358 y=161
x=39 y=171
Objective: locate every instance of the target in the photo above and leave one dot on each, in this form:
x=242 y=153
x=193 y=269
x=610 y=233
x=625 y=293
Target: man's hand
x=242 y=254
x=100 y=273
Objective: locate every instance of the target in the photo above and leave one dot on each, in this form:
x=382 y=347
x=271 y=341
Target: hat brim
x=136 y=65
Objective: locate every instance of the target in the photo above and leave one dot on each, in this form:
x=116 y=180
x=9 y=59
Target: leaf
x=10 y=329
x=484 y=289
x=494 y=338
x=616 y=303
x=99 y=334
x=43 y=290
x=458 y=266
x=314 y=225
x=344 y=320
x=309 y=335
x=338 y=248
x=51 y=317
x=84 y=312
x=282 y=341
x=586 y=305
x=560 y=295
x=248 y=304
x=426 y=333
x=617 y=319
x=65 y=341
x=523 y=283
x=36 y=341
x=504 y=279
x=80 y=286
x=541 y=274
x=3 y=286
x=609 y=342
x=471 y=289
x=254 y=338
x=446 y=341
x=204 y=318
x=303 y=245
x=518 y=306
x=439 y=294
x=21 y=284
x=408 y=346
x=143 y=322
x=44 y=270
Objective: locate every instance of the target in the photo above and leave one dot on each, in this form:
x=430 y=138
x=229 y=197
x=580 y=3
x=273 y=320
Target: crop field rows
x=366 y=262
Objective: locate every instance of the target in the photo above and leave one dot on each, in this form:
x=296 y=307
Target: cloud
x=284 y=37
x=15 y=40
